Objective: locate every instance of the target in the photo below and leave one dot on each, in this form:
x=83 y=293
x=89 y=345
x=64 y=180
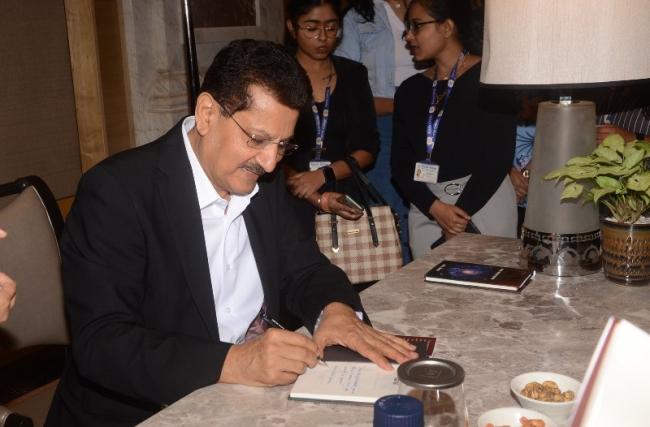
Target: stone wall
x=155 y=57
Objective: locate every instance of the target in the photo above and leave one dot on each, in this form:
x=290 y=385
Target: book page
x=345 y=381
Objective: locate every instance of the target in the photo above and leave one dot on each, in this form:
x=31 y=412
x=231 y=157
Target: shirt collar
x=205 y=191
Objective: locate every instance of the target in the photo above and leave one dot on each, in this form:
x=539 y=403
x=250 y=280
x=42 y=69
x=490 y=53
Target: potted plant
x=617 y=175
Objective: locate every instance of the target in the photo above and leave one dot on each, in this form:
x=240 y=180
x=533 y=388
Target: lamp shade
x=565 y=43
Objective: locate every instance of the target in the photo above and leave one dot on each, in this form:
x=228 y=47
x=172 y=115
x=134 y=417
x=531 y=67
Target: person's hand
x=333 y=205
x=603 y=131
x=304 y=184
x=275 y=358
x=7 y=291
x=340 y=325
x=519 y=182
x=7 y=296
x=451 y=218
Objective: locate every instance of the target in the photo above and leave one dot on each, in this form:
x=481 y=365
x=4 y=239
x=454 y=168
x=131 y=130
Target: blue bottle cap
x=397 y=410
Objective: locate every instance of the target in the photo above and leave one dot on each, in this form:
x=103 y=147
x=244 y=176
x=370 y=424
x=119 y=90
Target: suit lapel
x=177 y=191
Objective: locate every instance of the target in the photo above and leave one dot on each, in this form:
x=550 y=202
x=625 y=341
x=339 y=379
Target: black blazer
x=138 y=291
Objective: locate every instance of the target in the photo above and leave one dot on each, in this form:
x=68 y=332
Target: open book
x=350 y=377
x=479 y=275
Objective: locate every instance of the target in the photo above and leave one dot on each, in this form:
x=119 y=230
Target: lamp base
x=561 y=237
x=562 y=254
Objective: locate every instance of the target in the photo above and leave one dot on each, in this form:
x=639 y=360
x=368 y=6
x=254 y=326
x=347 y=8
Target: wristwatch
x=328 y=172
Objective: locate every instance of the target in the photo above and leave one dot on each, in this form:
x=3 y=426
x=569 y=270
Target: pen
x=274 y=323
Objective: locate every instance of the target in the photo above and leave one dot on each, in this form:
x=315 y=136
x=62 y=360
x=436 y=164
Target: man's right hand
x=275 y=358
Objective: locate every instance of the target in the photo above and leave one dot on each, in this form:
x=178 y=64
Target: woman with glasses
x=452 y=146
x=372 y=34
x=340 y=122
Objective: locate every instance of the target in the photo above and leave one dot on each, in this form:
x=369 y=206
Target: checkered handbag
x=369 y=248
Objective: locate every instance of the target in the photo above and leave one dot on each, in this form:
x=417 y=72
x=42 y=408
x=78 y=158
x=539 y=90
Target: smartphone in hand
x=349 y=202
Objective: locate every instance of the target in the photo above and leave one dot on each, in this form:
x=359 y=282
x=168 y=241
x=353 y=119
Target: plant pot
x=626 y=252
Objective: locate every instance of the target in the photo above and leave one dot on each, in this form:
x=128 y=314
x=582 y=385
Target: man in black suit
x=173 y=251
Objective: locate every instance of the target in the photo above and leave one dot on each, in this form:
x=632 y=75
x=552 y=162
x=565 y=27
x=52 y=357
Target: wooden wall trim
x=84 y=58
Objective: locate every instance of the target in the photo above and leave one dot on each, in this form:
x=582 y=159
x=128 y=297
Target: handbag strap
x=354 y=166
x=367 y=185
x=334 y=234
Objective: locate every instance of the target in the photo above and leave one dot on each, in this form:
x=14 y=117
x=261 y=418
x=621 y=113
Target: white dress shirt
x=236 y=283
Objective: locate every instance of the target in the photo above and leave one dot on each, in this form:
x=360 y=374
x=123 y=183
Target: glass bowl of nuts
x=549 y=393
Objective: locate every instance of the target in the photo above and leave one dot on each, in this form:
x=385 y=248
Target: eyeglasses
x=413 y=27
x=285 y=147
x=331 y=31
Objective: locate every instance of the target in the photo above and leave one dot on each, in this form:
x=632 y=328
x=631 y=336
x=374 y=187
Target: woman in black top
x=348 y=128
x=472 y=150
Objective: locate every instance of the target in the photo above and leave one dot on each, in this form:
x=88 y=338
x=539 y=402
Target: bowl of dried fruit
x=514 y=417
x=546 y=392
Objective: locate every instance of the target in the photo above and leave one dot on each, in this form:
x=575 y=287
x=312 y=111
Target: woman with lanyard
x=340 y=122
x=451 y=153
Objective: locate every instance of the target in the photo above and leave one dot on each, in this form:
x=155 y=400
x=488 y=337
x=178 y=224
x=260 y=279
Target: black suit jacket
x=138 y=291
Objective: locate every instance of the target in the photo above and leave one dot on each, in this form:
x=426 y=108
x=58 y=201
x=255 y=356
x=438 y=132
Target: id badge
x=317 y=164
x=426 y=172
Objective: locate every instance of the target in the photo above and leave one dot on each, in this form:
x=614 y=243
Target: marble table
x=553 y=325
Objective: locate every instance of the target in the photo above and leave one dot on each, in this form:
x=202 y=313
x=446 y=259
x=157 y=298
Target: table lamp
x=561 y=45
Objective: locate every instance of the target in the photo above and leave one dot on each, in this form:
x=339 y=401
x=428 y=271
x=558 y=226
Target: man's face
x=222 y=147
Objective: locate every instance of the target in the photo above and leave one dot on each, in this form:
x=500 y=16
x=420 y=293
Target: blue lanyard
x=433 y=121
x=321 y=123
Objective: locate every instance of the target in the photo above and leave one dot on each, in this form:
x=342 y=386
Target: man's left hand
x=340 y=325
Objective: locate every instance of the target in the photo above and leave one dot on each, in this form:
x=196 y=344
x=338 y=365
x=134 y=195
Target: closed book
x=337 y=353
x=480 y=275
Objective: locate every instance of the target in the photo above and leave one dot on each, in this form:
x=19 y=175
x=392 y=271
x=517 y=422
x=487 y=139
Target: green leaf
x=616 y=170
x=614 y=142
x=607 y=153
x=573 y=172
x=639 y=181
x=643 y=145
x=597 y=193
x=629 y=146
x=567 y=181
x=608 y=182
x=581 y=172
x=571 y=191
x=633 y=157
x=554 y=174
x=581 y=161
